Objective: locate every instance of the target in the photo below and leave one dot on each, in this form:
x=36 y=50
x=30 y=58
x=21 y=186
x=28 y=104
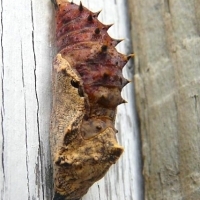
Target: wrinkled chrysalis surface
x=87 y=84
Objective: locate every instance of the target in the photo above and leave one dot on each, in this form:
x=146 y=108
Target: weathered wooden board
x=167 y=46
x=27 y=51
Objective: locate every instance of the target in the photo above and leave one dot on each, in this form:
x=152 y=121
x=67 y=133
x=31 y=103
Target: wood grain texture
x=167 y=46
x=27 y=51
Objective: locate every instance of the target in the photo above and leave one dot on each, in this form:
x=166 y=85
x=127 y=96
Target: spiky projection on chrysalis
x=87 y=84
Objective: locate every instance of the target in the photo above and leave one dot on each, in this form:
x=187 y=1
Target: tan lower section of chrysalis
x=82 y=151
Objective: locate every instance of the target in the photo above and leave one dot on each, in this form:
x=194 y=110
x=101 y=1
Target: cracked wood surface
x=27 y=51
x=166 y=38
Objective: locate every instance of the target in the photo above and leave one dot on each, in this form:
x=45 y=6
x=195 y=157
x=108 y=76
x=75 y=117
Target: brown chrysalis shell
x=87 y=84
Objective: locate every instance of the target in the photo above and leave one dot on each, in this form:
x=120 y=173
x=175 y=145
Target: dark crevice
x=26 y=136
x=37 y=100
x=197 y=112
x=161 y=183
x=167 y=6
x=57 y=196
x=22 y=62
x=99 y=192
x=2 y=105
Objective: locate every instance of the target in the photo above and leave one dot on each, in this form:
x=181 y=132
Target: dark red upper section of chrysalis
x=83 y=40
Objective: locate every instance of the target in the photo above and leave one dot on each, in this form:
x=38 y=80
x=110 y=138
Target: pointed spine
x=81 y=7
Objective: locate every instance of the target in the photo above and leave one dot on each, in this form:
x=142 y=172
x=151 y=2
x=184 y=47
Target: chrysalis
x=87 y=83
